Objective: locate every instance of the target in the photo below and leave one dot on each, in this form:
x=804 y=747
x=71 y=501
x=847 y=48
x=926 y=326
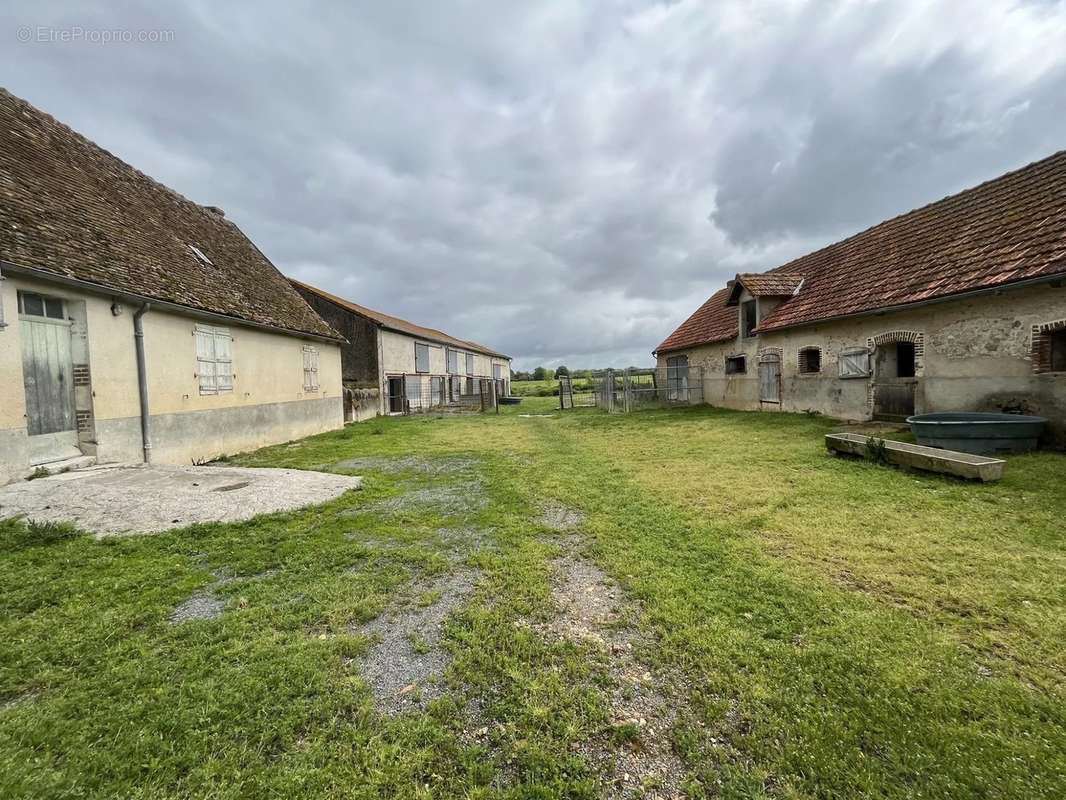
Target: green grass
x=843 y=629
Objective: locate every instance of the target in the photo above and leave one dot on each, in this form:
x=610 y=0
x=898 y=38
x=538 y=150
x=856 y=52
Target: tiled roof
x=70 y=208
x=1005 y=231
x=714 y=321
x=770 y=284
x=399 y=325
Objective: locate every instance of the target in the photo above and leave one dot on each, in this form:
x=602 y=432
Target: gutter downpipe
x=142 y=380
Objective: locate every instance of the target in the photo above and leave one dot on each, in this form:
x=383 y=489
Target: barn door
x=48 y=377
x=770 y=378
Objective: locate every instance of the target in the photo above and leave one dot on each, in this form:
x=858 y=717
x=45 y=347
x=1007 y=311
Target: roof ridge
x=382 y=314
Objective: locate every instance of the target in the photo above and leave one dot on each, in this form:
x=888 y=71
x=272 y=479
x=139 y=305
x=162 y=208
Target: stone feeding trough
x=916 y=456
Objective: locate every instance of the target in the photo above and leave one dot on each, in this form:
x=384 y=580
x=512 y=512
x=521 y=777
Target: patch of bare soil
x=405 y=663
x=636 y=755
x=560 y=518
x=392 y=464
x=206 y=604
x=461 y=498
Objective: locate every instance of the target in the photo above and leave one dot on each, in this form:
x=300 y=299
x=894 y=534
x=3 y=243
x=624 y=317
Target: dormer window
x=749 y=318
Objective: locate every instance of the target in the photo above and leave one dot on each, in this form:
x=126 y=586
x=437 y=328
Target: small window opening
x=810 y=360
x=1058 y=350
x=200 y=255
x=905 y=366
x=750 y=318
x=38 y=305
x=736 y=365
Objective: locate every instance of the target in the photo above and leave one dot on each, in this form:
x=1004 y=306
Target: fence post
x=495 y=398
x=626 y=399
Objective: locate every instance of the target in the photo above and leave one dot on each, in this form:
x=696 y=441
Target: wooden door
x=48 y=377
x=894 y=399
x=770 y=379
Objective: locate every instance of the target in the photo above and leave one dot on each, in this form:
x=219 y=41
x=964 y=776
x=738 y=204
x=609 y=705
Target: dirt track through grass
x=686 y=601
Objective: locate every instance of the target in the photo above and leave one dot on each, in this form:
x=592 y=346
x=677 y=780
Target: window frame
x=745 y=331
x=742 y=358
x=47 y=302
x=470 y=364
x=1057 y=337
x=451 y=361
x=310 y=368
x=214 y=334
x=418 y=369
x=803 y=360
x=844 y=373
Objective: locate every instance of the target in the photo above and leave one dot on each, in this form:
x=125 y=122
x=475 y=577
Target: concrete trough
x=916 y=456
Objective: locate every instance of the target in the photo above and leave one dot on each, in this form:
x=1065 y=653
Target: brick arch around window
x=890 y=337
x=770 y=354
x=1040 y=349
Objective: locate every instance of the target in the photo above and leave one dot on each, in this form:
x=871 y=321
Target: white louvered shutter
x=223 y=360
x=205 y=359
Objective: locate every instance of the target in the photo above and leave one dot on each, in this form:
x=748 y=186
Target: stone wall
x=972 y=355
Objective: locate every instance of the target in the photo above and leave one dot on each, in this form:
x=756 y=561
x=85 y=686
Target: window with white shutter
x=421 y=357
x=854 y=363
x=310 y=369
x=214 y=359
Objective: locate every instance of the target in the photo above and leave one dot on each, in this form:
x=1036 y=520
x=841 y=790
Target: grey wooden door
x=48 y=376
x=894 y=399
x=770 y=379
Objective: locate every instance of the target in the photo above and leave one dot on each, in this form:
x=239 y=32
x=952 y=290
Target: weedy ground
x=694 y=602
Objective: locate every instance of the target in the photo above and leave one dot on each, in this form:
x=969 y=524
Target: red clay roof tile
x=1009 y=229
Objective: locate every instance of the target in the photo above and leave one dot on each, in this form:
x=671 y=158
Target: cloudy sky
x=565 y=181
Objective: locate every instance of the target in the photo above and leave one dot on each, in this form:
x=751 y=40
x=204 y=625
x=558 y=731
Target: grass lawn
x=818 y=627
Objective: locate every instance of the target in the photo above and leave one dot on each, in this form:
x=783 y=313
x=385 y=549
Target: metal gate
x=770 y=378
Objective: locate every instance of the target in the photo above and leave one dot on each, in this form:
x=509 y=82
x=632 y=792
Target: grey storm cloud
x=565 y=181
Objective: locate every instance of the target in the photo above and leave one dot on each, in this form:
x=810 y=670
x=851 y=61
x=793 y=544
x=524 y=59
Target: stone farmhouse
x=392 y=366
x=956 y=306
x=135 y=324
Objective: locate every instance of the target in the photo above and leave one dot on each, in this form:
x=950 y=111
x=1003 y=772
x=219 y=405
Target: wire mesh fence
x=442 y=394
x=630 y=390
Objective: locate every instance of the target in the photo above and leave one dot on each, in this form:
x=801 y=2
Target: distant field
x=548 y=388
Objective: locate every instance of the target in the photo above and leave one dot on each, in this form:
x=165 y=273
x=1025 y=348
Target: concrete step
x=66 y=465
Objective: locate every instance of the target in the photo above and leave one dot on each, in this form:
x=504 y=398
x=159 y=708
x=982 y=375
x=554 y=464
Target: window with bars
x=310 y=369
x=214 y=359
x=469 y=363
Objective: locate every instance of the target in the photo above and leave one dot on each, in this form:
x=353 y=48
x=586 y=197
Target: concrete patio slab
x=117 y=499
